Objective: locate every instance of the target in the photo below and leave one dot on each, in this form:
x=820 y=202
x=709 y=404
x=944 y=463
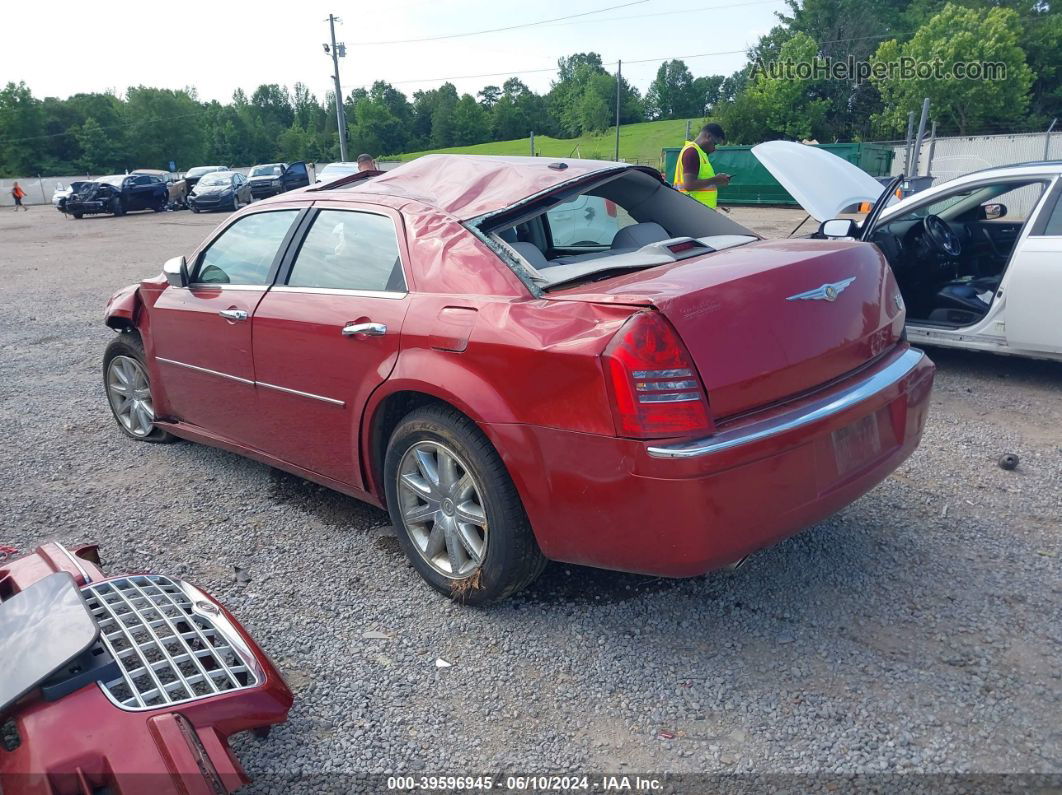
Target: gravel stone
x=894 y=636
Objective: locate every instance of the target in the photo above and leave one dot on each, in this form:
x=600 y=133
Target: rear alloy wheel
x=442 y=509
x=455 y=509
x=128 y=387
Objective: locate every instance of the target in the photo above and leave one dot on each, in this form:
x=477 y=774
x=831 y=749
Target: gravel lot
x=917 y=631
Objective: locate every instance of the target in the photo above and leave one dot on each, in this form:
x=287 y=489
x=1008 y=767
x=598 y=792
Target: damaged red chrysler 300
x=527 y=360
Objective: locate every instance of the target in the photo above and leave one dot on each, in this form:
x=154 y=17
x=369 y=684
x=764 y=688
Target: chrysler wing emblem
x=827 y=292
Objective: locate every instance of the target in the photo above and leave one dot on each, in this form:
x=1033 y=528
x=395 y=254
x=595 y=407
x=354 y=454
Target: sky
x=68 y=47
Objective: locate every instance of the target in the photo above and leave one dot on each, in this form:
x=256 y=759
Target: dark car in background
x=118 y=194
x=220 y=190
x=193 y=175
x=175 y=185
x=269 y=179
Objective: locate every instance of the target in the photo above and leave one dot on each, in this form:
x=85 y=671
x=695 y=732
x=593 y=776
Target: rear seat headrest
x=638 y=235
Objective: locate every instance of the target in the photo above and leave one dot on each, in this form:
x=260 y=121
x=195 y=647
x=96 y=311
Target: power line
x=499 y=30
x=666 y=13
x=514 y=73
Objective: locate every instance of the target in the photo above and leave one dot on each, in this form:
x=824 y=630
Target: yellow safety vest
x=709 y=196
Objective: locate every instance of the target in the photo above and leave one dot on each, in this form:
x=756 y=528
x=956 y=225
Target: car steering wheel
x=942 y=237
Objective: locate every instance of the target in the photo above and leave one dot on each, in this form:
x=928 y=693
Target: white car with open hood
x=978 y=259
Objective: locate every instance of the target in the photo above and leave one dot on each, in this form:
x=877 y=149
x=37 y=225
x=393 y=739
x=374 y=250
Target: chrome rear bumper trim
x=805 y=415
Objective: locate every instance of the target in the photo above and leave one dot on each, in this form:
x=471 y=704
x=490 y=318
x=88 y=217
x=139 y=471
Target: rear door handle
x=233 y=314
x=370 y=329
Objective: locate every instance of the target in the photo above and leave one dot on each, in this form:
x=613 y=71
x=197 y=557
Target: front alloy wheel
x=442 y=510
x=128 y=388
x=130 y=395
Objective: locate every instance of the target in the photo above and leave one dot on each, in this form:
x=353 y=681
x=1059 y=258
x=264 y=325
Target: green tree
x=442 y=116
x=955 y=35
x=471 y=122
x=780 y=106
x=489 y=95
x=162 y=125
x=20 y=131
x=98 y=151
x=671 y=94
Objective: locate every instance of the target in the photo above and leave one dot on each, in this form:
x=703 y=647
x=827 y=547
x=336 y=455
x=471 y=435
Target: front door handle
x=233 y=314
x=369 y=329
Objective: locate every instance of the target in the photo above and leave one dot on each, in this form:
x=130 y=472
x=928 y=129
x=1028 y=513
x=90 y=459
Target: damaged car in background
x=123 y=684
x=661 y=391
x=976 y=258
x=117 y=195
x=62 y=193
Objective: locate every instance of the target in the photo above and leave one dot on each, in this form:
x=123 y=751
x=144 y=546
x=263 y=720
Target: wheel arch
x=386 y=409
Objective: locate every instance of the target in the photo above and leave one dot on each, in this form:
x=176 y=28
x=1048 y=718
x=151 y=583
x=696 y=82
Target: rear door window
x=244 y=252
x=349 y=250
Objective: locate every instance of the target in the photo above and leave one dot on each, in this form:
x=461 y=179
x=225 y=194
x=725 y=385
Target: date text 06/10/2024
x=524 y=783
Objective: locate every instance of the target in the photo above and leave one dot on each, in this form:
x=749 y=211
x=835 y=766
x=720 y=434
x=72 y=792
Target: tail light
x=654 y=385
x=610 y=208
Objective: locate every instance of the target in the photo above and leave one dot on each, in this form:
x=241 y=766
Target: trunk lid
x=769 y=320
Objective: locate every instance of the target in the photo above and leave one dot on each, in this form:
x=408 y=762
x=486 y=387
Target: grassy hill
x=639 y=143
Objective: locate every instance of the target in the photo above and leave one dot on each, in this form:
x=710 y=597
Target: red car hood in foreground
x=187 y=677
x=768 y=336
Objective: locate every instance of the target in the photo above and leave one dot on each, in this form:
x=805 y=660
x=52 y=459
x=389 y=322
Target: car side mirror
x=838 y=227
x=995 y=211
x=176 y=271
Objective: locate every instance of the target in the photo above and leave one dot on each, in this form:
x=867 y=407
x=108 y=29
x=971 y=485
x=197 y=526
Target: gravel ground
x=917 y=631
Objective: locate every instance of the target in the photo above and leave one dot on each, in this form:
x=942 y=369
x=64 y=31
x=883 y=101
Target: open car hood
x=822 y=183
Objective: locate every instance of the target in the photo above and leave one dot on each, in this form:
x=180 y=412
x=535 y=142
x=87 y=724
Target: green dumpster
x=751 y=183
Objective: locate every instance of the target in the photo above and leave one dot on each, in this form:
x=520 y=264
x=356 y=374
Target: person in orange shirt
x=18 y=194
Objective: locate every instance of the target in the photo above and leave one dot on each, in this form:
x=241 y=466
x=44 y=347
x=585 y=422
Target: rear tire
x=456 y=512
x=128 y=389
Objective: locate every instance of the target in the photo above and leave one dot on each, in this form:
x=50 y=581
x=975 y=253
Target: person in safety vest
x=694 y=175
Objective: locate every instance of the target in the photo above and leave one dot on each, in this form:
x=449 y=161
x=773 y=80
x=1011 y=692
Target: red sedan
x=527 y=360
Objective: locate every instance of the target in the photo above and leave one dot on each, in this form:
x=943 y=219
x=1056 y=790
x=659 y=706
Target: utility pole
x=932 y=149
x=907 y=149
x=619 y=77
x=921 y=134
x=338 y=51
x=1047 y=138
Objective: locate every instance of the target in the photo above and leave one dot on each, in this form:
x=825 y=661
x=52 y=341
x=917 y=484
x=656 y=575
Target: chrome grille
x=168 y=649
